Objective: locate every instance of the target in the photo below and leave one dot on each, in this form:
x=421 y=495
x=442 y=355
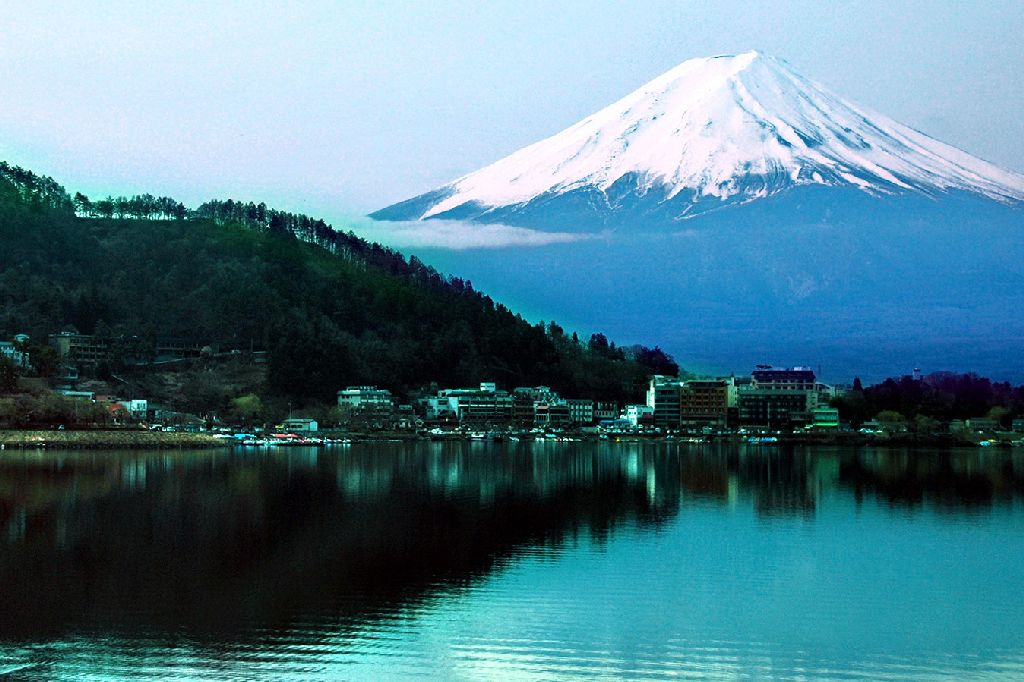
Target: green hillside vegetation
x=330 y=308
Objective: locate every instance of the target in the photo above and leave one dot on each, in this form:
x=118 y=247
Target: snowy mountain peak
x=718 y=130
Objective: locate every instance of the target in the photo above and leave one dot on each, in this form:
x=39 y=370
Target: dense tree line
x=331 y=309
x=141 y=206
x=32 y=189
x=943 y=396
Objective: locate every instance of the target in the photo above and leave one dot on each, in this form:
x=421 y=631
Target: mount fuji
x=709 y=133
x=738 y=213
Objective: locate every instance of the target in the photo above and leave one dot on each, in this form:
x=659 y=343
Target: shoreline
x=12 y=439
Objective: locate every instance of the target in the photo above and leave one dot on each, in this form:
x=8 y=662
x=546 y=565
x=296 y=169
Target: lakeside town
x=770 y=405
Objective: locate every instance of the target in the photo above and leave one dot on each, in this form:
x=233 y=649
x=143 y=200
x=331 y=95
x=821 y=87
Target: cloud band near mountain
x=459 y=236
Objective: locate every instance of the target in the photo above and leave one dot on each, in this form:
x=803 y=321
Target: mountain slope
x=241 y=276
x=708 y=133
x=858 y=284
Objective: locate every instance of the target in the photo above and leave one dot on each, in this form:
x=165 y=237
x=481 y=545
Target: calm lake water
x=530 y=561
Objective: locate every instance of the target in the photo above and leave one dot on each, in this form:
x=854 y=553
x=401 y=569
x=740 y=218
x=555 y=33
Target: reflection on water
x=535 y=561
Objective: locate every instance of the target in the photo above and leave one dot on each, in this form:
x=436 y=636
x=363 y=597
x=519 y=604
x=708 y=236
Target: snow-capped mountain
x=711 y=132
x=845 y=238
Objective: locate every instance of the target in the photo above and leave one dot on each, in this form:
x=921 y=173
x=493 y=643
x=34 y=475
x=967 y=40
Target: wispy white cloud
x=456 y=235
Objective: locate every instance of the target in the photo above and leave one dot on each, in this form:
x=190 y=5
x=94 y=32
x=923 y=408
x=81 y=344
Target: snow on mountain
x=712 y=131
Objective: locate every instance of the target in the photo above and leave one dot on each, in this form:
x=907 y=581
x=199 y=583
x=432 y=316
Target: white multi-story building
x=136 y=408
x=10 y=351
x=636 y=414
x=363 y=397
x=473 y=406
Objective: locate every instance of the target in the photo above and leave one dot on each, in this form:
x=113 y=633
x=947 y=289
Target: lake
x=525 y=561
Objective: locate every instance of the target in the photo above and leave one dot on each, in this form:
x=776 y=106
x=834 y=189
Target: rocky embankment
x=150 y=440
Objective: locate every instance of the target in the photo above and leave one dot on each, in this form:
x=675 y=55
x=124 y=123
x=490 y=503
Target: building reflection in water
x=227 y=542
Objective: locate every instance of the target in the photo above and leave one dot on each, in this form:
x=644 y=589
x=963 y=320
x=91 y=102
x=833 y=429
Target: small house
x=299 y=425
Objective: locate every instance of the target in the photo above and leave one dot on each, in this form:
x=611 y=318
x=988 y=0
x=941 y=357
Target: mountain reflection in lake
x=532 y=560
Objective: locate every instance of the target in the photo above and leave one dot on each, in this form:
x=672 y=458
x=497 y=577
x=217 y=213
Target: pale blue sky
x=337 y=108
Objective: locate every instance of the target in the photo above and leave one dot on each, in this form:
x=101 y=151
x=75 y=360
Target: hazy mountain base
x=855 y=283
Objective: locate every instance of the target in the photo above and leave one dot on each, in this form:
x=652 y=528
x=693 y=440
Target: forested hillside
x=330 y=308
